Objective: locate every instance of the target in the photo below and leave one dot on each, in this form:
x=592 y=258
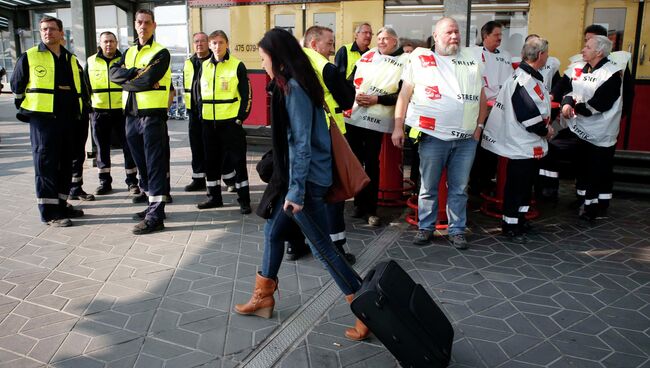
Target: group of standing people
x=441 y=94
x=128 y=95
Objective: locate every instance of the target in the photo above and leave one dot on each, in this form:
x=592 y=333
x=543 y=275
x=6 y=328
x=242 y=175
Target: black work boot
x=214 y=199
x=196 y=185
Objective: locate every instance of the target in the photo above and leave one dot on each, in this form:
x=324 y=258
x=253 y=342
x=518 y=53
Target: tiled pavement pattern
x=94 y=295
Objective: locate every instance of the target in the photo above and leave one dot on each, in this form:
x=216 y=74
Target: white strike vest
x=446 y=95
x=549 y=70
x=504 y=134
x=600 y=129
x=376 y=75
x=498 y=67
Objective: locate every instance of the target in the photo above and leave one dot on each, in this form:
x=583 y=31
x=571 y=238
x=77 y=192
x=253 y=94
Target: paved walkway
x=95 y=295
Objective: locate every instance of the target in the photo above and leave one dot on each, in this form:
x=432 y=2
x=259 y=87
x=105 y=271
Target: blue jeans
x=457 y=156
x=313 y=222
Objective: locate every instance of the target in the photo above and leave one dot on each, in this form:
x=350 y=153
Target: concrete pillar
x=14 y=40
x=460 y=10
x=83 y=28
x=130 y=25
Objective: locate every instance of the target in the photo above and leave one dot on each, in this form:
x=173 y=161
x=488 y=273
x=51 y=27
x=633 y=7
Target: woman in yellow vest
x=225 y=99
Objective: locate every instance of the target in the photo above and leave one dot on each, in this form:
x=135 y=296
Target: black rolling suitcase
x=404 y=317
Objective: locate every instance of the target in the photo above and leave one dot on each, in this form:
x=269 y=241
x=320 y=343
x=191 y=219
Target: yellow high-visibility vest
x=220 y=97
x=188 y=75
x=153 y=99
x=353 y=57
x=318 y=62
x=39 y=93
x=105 y=95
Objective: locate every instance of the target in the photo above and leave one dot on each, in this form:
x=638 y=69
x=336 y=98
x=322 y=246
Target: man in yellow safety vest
x=145 y=76
x=47 y=89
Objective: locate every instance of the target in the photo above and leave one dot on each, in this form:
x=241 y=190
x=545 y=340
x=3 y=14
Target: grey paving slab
x=94 y=295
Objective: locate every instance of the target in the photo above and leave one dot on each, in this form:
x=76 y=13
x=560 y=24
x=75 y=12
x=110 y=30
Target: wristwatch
x=482 y=126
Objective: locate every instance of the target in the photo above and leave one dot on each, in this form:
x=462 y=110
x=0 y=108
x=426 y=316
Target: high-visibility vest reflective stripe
x=377 y=75
x=446 y=93
x=601 y=128
x=318 y=62
x=353 y=57
x=39 y=93
x=188 y=75
x=105 y=94
x=220 y=97
x=504 y=134
x=154 y=98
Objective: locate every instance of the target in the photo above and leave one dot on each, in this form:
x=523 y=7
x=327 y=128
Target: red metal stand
x=442 y=222
x=392 y=186
x=493 y=204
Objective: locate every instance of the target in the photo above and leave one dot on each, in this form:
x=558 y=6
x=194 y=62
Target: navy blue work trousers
x=149 y=143
x=52 y=152
x=104 y=125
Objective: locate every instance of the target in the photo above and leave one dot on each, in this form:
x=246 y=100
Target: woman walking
x=302 y=174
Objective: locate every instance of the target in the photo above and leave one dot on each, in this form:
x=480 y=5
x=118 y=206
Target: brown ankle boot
x=261 y=302
x=359 y=331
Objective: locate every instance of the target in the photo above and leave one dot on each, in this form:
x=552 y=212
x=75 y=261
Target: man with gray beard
x=443 y=101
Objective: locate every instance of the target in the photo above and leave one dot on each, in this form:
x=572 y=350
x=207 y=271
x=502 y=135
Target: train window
x=613 y=19
x=416 y=26
x=325 y=20
x=286 y=22
x=515 y=28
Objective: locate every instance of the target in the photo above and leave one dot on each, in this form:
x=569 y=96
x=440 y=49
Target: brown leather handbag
x=348 y=176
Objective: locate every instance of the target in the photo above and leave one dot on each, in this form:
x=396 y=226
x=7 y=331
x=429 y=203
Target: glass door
x=618 y=17
x=643 y=58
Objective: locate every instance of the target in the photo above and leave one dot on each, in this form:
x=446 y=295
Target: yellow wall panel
x=359 y=11
x=247 y=26
x=561 y=23
x=194 y=23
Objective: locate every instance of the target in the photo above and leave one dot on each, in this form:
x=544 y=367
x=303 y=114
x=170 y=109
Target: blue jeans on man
x=436 y=155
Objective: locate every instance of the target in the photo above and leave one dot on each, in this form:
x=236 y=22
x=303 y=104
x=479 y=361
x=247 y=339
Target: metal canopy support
x=83 y=28
x=461 y=11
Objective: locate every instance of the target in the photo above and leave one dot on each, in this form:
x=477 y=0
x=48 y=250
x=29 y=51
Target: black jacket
x=279 y=183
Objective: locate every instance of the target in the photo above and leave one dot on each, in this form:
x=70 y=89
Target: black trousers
x=195 y=131
x=104 y=124
x=520 y=175
x=79 y=138
x=596 y=166
x=219 y=138
x=483 y=170
x=51 y=141
x=366 y=145
x=149 y=143
x=565 y=146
